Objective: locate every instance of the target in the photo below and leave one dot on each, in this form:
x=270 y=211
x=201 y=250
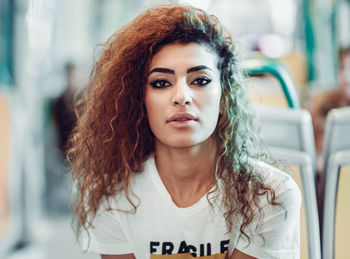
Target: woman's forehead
x=189 y=54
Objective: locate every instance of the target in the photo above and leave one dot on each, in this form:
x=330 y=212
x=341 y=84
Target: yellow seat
x=342 y=223
x=310 y=243
x=336 y=210
x=289 y=135
x=336 y=161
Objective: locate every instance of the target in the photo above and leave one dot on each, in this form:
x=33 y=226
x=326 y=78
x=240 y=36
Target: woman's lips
x=181 y=120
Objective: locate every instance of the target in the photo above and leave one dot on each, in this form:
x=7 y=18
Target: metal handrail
x=261 y=66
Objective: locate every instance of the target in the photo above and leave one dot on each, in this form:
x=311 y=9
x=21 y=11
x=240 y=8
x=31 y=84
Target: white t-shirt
x=159 y=227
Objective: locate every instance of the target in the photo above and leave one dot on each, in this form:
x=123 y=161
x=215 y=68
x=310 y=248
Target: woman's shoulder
x=279 y=226
x=139 y=186
x=282 y=183
x=272 y=175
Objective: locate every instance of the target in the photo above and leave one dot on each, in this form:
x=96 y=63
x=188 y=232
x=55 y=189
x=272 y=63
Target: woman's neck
x=187 y=173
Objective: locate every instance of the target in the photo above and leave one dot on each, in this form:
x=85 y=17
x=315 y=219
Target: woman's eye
x=201 y=81
x=160 y=84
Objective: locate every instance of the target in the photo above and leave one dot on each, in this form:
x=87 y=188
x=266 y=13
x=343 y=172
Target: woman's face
x=183 y=95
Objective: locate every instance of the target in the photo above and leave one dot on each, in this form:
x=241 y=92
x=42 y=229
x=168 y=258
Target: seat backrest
x=278 y=70
x=336 y=208
x=287 y=128
x=337 y=133
x=304 y=177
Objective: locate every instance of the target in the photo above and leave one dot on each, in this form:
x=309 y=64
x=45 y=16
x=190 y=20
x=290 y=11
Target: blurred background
x=47 y=48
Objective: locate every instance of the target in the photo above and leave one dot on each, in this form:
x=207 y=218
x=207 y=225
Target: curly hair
x=112 y=137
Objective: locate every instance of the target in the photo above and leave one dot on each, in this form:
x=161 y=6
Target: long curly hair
x=112 y=137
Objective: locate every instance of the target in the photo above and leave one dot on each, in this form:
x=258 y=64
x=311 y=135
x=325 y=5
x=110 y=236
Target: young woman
x=164 y=154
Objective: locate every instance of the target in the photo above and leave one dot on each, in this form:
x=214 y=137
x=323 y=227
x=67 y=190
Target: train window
x=342 y=21
x=270 y=30
x=266 y=29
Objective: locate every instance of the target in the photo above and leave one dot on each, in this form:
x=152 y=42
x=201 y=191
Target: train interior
x=295 y=53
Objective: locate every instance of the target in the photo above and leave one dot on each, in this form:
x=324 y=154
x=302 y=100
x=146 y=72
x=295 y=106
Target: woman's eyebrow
x=197 y=68
x=170 y=71
x=162 y=70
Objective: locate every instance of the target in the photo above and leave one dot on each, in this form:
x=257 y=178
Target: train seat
x=287 y=128
x=336 y=170
x=289 y=135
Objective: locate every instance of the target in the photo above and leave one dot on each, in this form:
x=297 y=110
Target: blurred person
x=57 y=199
x=63 y=111
x=164 y=154
x=322 y=103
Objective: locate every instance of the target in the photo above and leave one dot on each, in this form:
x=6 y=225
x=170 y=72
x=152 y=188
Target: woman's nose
x=182 y=95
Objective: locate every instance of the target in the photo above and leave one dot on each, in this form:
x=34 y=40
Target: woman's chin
x=183 y=143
